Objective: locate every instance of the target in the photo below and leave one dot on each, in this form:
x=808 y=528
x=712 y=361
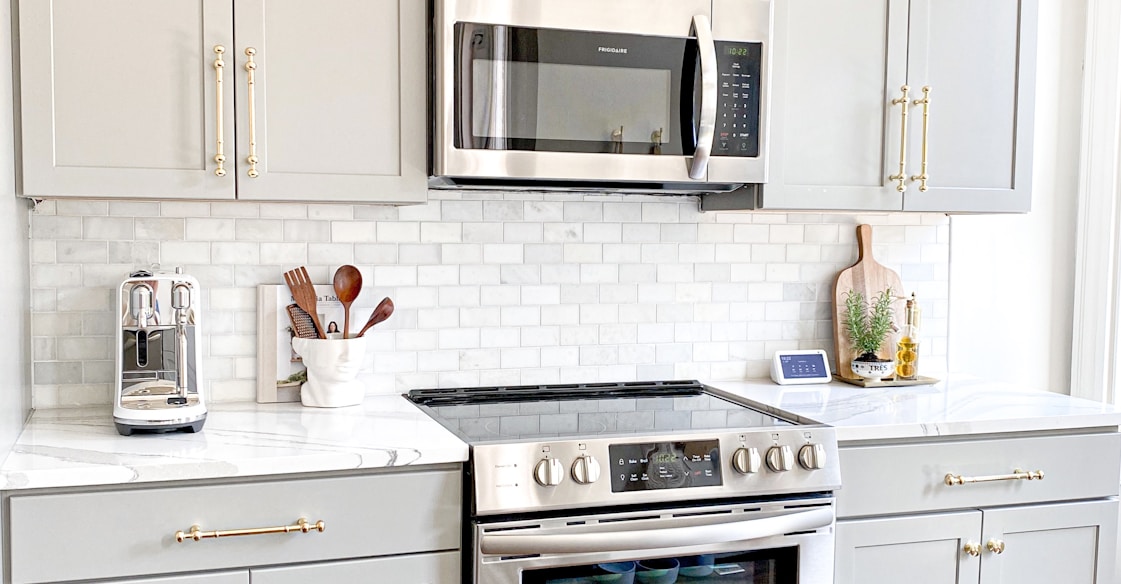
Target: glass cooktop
x=586 y=410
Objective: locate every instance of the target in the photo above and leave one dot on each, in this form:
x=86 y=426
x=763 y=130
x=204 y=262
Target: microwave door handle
x=707 y=131
x=508 y=544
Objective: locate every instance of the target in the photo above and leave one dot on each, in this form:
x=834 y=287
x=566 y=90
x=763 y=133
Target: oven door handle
x=508 y=544
x=706 y=134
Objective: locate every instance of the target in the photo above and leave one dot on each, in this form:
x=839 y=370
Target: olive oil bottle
x=907 y=351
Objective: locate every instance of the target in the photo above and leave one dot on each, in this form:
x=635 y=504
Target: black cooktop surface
x=588 y=410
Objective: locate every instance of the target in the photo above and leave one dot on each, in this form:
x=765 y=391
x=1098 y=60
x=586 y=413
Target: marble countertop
x=958 y=405
x=81 y=447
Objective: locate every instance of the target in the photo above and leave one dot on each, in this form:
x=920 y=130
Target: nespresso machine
x=159 y=381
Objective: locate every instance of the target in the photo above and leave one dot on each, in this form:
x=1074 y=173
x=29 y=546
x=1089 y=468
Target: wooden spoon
x=382 y=312
x=348 y=283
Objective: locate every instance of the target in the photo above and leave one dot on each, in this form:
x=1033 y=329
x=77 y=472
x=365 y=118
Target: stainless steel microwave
x=617 y=95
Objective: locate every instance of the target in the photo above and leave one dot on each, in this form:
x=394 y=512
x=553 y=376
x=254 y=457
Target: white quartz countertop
x=955 y=406
x=81 y=447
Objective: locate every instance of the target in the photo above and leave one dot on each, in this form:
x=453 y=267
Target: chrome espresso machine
x=159 y=369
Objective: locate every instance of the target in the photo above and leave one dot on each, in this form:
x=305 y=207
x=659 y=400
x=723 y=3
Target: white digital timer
x=800 y=366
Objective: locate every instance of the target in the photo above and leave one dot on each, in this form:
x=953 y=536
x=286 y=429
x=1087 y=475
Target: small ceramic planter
x=332 y=369
x=872 y=370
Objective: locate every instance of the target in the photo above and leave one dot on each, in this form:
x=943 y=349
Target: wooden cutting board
x=870 y=278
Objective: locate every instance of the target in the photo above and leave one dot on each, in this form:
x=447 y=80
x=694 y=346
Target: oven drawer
x=904 y=478
x=130 y=532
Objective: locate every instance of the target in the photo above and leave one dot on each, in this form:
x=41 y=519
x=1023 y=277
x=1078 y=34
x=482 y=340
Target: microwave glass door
x=771 y=566
x=551 y=90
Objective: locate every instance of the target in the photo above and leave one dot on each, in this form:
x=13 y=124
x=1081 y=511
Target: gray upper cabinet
x=338 y=104
x=118 y=98
x=838 y=135
x=130 y=98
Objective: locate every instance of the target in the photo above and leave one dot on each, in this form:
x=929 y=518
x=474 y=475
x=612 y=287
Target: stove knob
x=746 y=460
x=549 y=472
x=585 y=470
x=780 y=458
x=812 y=456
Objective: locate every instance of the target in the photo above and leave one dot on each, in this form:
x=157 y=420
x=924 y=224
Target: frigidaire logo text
x=612 y=50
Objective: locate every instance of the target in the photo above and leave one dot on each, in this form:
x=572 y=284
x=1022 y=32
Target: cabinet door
x=835 y=137
x=337 y=110
x=978 y=58
x=440 y=568
x=924 y=549
x=118 y=98
x=1072 y=543
x=237 y=577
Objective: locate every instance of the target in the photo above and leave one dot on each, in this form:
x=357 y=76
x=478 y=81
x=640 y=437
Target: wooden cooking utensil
x=870 y=278
x=348 y=283
x=303 y=292
x=383 y=311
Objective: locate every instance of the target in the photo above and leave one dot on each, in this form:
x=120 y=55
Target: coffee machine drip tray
x=156 y=395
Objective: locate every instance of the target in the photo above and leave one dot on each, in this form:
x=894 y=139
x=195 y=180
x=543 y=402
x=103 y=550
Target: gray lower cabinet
x=222 y=99
x=839 y=138
x=404 y=525
x=1072 y=543
x=975 y=510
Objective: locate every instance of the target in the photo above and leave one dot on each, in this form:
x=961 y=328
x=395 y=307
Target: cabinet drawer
x=904 y=478
x=441 y=568
x=132 y=532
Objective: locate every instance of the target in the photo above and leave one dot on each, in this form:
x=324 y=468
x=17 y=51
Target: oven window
x=573 y=91
x=775 y=566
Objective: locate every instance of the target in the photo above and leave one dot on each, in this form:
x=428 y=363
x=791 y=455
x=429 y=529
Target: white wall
x=1011 y=277
x=15 y=387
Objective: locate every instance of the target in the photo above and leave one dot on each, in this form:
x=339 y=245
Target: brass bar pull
x=301 y=526
x=995 y=546
x=252 y=159
x=972 y=548
x=219 y=69
x=922 y=177
x=1017 y=475
x=901 y=176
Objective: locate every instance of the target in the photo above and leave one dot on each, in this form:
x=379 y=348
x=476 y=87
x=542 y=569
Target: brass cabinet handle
x=922 y=177
x=219 y=69
x=901 y=176
x=252 y=159
x=995 y=546
x=301 y=526
x=1017 y=475
x=972 y=548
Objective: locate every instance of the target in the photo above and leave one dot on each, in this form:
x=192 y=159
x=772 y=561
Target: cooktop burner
x=586 y=410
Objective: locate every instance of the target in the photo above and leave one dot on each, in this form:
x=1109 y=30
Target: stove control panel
x=613 y=470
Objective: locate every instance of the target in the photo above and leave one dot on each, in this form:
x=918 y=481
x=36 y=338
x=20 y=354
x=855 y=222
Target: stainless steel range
x=650 y=482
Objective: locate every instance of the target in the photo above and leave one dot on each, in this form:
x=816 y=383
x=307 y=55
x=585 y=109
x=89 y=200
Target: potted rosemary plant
x=868 y=325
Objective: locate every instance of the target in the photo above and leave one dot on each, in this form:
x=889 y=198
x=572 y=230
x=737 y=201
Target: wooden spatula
x=868 y=277
x=303 y=292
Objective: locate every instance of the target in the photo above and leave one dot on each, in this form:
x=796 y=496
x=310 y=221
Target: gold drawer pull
x=250 y=68
x=198 y=534
x=995 y=546
x=219 y=68
x=1017 y=475
x=901 y=176
x=922 y=176
x=972 y=548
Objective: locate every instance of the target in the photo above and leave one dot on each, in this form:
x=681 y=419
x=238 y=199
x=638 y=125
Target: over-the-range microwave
x=609 y=95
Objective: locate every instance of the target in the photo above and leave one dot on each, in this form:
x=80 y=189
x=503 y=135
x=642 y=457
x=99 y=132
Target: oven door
x=778 y=542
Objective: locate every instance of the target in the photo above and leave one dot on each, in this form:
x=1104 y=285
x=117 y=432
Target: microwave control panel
x=739 y=66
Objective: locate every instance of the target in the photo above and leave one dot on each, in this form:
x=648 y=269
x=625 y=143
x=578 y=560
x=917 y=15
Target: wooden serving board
x=870 y=278
x=889 y=381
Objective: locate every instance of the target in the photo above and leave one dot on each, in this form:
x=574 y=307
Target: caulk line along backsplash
x=489 y=288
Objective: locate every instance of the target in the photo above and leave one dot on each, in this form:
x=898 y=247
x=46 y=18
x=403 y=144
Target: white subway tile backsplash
x=490 y=288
